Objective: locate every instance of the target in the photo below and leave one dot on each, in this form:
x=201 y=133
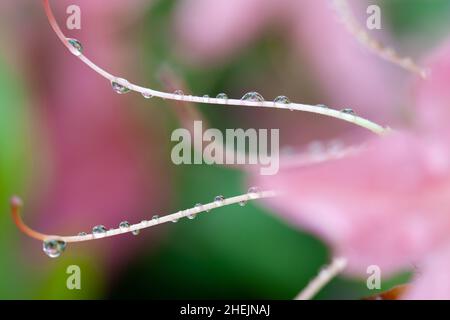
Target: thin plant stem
x=322 y=279
x=352 y=118
x=16 y=205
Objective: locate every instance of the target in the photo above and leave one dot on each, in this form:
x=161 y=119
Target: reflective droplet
x=253 y=190
x=323 y=106
x=222 y=96
x=179 y=93
x=175 y=220
x=191 y=216
x=219 y=199
x=282 y=100
x=99 y=231
x=253 y=97
x=120 y=86
x=135 y=232
x=242 y=203
x=124 y=225
x=53 y=248
x=155 y=218
x=76 y=45
x=348 y=111
x=147 y=95
x=82 y=234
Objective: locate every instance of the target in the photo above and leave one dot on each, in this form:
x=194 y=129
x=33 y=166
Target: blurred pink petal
x=389 y=204
x=214 y=30
x=103 y=163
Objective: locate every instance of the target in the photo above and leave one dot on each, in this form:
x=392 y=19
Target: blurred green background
x=232 y=252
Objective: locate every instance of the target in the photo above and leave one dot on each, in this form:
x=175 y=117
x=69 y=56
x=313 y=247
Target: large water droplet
x=282 y=100
x=53 y=248
x=222 y=96
x=99 y=231
x=219 y=199
x=120 y=86
x=76 y=46
x=253 y=97
x=124 y=225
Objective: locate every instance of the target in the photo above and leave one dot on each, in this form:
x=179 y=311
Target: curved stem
x=347 y=17
x=322 y=279
x=359 y=121
x=16 y=204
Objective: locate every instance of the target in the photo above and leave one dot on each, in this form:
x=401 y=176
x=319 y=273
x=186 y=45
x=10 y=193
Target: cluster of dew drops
x=55 y=247
x=121 y=86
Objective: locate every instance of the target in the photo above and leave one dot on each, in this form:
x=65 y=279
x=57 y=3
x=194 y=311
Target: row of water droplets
x=55 y=247
x=122 y=86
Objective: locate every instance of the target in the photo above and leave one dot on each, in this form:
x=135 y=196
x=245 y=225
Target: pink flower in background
x=389 y=205
x=103 y=162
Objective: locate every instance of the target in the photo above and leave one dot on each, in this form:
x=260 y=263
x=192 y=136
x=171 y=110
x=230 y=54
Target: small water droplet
x=82 y=234
x=191 y=216
x=175 y=220
x=120 y=86
x=219 y=199
x=253 y=190
x=323 y=106
x=253 y=97
x=179 y=93
x=282 y=100
x=135 y=232
x=124 y=225
x=76 y=45
x=348 y=111
x=242 y=203
x=222 y=96
x=99 y=231
x=147 y=95
x=155 y=218
x=53 y=248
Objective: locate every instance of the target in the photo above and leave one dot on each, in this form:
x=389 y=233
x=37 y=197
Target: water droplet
x=219 y=199
x=348 y=111
x=175 y=220
x=253 y=190
x=120 y=86
x=323 y=106
x=242 y=203
x=282 y=100
x=155 y=218
x=253 y=97
x=82 y=234
x=124 y=225
x=135 y=232
x=191 y=216
x=99 y=231
x=222 y=96
x=53 y=248
x=147 y=95
x=76 y=46
x=179 y=93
